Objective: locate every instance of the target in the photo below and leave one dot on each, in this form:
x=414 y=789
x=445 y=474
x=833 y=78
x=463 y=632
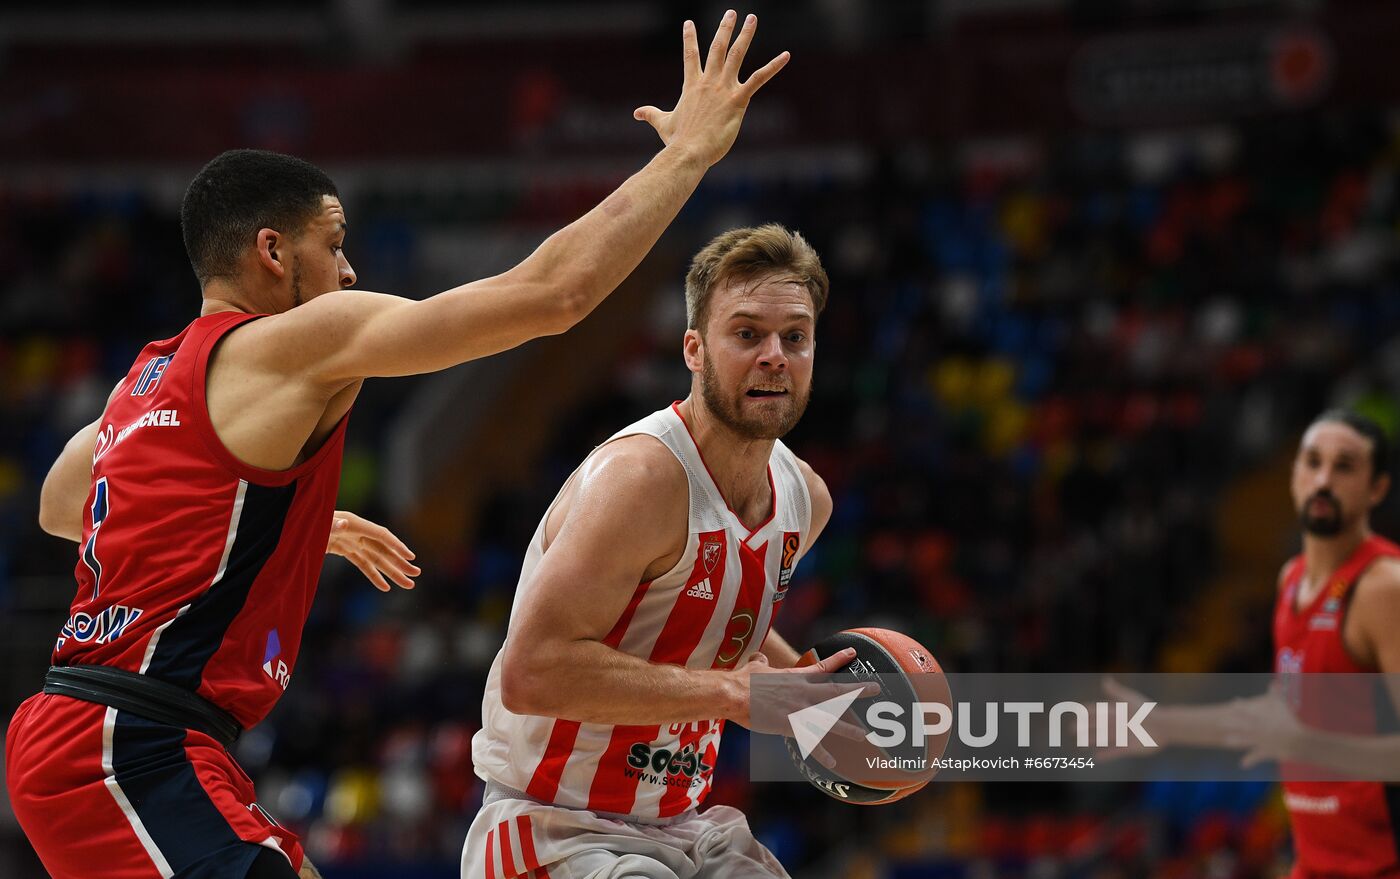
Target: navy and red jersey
x=194 y=567
x=1340 y=828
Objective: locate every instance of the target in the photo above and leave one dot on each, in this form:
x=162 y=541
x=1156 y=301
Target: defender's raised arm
x=354 y=334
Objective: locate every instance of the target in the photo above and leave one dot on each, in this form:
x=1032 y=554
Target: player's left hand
x=1265 y=727
x=713 y=99
x=374 y=549
x=1161 y=719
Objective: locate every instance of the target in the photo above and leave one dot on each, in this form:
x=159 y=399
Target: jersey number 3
x=99 y=513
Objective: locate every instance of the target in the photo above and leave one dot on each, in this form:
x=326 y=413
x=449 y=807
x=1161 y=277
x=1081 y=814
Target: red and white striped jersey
x=712 y=610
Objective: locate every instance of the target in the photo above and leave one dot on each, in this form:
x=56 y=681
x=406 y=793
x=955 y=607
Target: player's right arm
x=65 y=489
x=1210 y=725
x=67 y=484
x=335 y=339
x=622 y=523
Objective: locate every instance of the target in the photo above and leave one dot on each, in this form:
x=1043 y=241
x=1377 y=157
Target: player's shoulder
x=816 y=486
x=1381 y=579
x=310 y=321
x=638 y=450
x=1375 y=600
x=1287 y=568
x=819 y=495
x=285 y=341
x=638 y=464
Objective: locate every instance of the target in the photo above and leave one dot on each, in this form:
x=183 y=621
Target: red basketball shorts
x=100 y=791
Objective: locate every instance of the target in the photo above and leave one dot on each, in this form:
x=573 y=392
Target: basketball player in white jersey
x=648 y=595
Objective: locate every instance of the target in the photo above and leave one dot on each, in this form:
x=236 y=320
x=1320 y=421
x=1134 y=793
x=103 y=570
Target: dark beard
x=1329 y=525
x=750 y=427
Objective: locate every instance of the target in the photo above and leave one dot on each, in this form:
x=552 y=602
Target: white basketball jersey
x=712 y=610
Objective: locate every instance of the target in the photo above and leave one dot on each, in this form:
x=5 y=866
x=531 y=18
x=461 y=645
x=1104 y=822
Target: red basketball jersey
x=194 y=567
x=1340 y=828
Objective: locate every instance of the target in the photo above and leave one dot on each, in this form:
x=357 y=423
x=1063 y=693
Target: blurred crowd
x=1042 y=366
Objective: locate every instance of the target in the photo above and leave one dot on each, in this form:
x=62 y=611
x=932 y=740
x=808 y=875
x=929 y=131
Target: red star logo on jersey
x=710 y=554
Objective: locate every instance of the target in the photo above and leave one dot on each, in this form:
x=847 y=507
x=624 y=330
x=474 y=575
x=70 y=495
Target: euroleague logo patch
x=791 y=542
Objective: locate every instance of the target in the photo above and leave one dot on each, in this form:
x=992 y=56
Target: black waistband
x=148 y=697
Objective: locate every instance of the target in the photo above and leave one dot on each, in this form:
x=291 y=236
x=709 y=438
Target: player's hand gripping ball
x=862 y=772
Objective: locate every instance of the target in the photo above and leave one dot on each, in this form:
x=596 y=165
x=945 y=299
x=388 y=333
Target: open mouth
x=760 y=393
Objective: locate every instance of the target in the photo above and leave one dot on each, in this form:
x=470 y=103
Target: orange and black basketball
x=863 y=773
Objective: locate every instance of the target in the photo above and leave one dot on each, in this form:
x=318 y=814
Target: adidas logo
x=703 y=589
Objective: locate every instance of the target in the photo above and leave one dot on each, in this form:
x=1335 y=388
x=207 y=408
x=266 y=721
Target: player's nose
x=347 y=273
x=770 y=353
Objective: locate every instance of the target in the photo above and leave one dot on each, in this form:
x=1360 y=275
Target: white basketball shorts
x=513 y=837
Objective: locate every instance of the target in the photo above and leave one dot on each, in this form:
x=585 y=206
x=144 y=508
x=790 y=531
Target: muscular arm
x=780 y=653
x=625 y=519
x=334 y=340
x=1199 y=726
x=67 y=484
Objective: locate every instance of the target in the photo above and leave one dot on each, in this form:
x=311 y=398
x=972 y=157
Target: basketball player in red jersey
x=202 y=497
x=1338 y=611
x=648 y=595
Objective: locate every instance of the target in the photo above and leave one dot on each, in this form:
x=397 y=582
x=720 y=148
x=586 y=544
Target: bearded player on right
x=1337 y=613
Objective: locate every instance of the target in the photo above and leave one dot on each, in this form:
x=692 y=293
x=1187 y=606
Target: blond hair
x=749 y=253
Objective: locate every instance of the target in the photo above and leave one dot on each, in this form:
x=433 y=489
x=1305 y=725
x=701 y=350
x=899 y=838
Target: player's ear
x=693 y=347
x=1380 y=487
x=269 y=255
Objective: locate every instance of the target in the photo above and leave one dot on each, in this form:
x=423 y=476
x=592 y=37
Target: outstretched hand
x=706 y=119
x=373 y=549
x=1131 y=747
x=1265 y=727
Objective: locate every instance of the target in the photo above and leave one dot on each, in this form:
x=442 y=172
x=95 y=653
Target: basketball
x=863 y=773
